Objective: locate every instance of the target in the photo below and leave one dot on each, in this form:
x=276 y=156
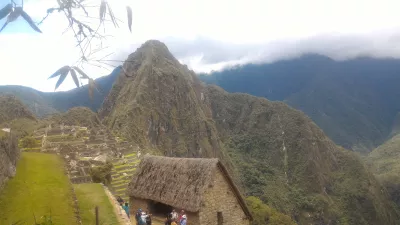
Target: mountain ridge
x=274 y=151
x=353 y=101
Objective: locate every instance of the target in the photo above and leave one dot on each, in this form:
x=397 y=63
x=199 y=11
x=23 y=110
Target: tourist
x=174 y=215
x=168 y=219
x=142 y=220
x=148 y=219
x=120 y=201
x=138 y=216
x=181 y=214
x=183 y=220
x=126 y=208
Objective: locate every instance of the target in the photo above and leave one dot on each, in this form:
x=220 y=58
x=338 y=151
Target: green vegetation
x=384 y=162
x=284 y=159
x=89 y=196
x=102 y=174
x=78 y=116
x=264 y=215
x=353 y=101
x=28 y=142
x=119 y=181
x=37 y=190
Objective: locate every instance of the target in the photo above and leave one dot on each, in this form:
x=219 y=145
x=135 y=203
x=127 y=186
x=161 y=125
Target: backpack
x=137 y=216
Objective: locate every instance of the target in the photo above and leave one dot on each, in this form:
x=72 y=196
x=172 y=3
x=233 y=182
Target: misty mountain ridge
x=354 y=101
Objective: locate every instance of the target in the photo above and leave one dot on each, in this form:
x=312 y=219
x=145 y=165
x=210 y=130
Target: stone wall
x=221 y=198
x=9 y=155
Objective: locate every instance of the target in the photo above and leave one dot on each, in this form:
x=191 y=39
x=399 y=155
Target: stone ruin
x=82 y=153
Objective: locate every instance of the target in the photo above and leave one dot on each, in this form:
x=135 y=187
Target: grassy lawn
x=90 y=195
x=39 y=188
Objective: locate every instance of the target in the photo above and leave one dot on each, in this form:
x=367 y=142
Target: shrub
x=102 y=174
x=263 y=214
x=28 y=142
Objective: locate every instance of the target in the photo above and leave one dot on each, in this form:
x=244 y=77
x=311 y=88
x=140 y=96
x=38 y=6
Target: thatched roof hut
x=186 y=183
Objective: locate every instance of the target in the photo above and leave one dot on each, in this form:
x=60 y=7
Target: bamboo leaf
x=129 y=12
x=5 y=11
x=103 y=9
x=30 y=21
x=73 y=74
x=61 y=79
x=83 y=74
x=112 y=15
x=4 y=26
x=14 y=14
x=60 y=71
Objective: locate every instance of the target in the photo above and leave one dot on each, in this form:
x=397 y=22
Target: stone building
x=202 y=187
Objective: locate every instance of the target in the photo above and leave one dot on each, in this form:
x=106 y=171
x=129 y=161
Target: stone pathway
x=119 y=212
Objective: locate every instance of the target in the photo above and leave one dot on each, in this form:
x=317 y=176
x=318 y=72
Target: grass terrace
x=92 y=195
x=37 y=190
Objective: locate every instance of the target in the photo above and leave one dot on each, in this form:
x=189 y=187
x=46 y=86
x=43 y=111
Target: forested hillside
x=354 y=101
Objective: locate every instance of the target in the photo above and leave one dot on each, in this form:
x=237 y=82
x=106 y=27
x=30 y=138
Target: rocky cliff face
x=159 y=103
x=9 y=155
x=276 y=153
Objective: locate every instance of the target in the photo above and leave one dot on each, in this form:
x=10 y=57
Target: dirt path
x=119 y=212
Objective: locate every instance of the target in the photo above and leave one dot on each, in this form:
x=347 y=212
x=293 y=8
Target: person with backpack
x=126 y=208
x=143 y=217
x=138 y=216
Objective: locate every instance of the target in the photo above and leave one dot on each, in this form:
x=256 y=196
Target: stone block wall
x=221 y=198
x=9 y=155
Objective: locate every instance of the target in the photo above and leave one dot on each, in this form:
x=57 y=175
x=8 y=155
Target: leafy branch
x=83 y=31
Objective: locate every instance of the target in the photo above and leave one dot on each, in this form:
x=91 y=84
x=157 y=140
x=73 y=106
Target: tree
x=28 y=142
x=84 y=33
x=263 y=214
x=102 y=174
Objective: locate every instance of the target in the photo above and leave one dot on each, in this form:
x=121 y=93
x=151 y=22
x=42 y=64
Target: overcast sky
x=204 y=34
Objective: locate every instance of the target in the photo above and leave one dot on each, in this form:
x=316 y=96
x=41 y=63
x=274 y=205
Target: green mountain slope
x=78 y=116
x=275 y=152
x=11 y=108
x=286 y=160
x=354 y=101
x=384 y=162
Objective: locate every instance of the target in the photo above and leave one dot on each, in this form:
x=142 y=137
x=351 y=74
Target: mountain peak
x=151 y=50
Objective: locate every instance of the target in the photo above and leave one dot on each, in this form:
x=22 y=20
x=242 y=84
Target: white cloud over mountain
x=205 y=34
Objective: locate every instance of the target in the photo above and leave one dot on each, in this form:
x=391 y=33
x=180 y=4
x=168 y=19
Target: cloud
x=205 y=34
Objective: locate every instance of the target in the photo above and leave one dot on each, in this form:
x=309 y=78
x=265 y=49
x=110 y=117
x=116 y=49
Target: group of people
x=142 y=217
x=125 y=206
x=174 y=218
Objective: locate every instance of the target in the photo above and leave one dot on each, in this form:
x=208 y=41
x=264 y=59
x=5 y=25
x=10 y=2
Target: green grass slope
x=38 y=190
x=89 y=196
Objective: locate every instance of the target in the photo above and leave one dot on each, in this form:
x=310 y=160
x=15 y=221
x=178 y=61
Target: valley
x=289 y=170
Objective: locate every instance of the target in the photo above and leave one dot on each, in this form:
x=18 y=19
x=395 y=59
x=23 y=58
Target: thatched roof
x=178 y=182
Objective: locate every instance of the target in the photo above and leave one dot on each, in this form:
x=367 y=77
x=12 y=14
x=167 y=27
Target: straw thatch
x=178 y=182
